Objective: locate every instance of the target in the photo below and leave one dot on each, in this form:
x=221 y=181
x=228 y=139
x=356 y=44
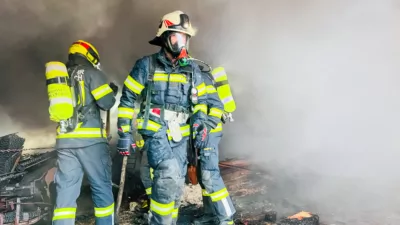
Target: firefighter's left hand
x=200 y=134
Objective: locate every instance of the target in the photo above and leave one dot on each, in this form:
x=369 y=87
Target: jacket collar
x=162 y=58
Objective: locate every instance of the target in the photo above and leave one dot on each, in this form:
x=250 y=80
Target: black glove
x=200 y=134
x=114 y=88
x=126 y=145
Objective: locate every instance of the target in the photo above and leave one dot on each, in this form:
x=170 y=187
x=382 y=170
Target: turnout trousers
x=95 y=162
x=146 y=173
x=168 y=160
x=216 y=199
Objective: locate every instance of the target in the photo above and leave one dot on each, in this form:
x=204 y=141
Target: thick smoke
x=315 y=84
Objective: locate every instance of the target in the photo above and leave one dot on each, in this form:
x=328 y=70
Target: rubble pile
x=10 y=151
x=26 y=183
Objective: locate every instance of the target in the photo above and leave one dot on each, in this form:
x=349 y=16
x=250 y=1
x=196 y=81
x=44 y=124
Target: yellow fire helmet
x=87 y=50
x=175 y=21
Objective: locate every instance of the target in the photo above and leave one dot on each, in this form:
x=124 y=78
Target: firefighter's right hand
x=125 y=145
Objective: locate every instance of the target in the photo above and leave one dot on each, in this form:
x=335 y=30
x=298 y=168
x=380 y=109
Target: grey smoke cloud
x=315 y=82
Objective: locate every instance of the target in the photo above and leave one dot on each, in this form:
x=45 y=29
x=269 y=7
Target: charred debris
x=26 y=183
x=27 y=190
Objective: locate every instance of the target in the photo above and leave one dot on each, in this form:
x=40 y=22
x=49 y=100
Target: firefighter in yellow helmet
x=173 y=90
x=82 y=145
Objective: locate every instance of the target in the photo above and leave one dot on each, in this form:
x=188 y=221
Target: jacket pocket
x=158 y=92
x=173 y=95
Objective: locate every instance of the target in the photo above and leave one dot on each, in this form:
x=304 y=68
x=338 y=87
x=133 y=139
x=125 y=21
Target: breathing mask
x=178 y=44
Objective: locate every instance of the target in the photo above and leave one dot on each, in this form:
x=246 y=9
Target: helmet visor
x=177 y=41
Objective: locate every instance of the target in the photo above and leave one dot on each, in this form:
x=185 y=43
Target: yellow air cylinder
x=223 y=89
x=59 y=92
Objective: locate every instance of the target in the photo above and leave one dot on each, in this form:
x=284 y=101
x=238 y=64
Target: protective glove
x=114 y=88
x=126 y=145
x=200 y=134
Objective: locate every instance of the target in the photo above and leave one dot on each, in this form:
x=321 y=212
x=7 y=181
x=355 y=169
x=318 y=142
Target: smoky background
x=315 y=82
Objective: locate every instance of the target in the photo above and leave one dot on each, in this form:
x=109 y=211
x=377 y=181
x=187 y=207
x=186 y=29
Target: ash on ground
x=250 y=191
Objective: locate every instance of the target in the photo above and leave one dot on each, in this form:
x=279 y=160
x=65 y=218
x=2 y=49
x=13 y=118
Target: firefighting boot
x=226 y=222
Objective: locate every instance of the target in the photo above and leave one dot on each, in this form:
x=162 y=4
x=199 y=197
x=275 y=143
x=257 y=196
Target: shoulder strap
x=211 y=77
x=150 y=76
x=73 y=84
x=205 y=69
x=82 y=109
x=152 y=67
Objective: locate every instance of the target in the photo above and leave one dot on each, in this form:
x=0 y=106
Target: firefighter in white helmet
x=172 y=90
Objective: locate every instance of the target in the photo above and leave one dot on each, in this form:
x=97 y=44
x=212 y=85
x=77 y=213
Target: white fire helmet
x=175 y=21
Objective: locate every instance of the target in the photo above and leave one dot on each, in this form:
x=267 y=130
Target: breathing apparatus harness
x=81 y=111
x=147 y=102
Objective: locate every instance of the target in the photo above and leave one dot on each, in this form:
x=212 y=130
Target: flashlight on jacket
x=193 y=96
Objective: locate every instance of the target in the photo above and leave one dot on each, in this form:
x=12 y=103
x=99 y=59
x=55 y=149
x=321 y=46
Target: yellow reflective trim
x=224 y=91
x=211 y=89
x=71 y=209
x=218 y=128
x=201 y=89
x=55 y=69
x=140 y=143
x=219 y=195
x=175 y=213
x=82 y=84
x=101 y=91
x=126 y=128
x=59 y=94
x=219 y=74
x=133 y=85
x=151 y=125
x=82 y=133
x=230 y=222
x=124 y=112
x=216 y=112
x=151 y=173
x=200 y=107
x=148 y=191
x=160 y=77
x=185 y=131
x=179 y=78
x=205 y=193
x=105 y=211
x=64 y=213
x=160 y=208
